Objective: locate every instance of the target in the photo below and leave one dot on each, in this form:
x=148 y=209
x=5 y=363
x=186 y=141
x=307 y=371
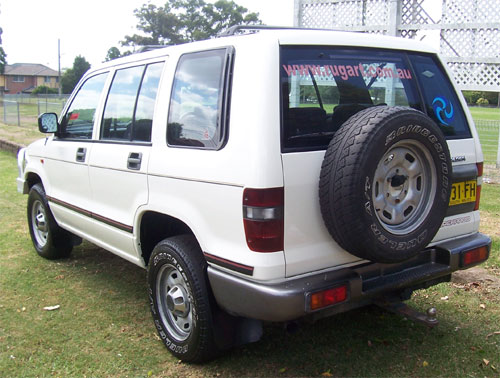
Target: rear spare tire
x=385 y=183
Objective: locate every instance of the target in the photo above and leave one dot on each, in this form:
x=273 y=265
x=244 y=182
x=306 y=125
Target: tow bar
x=429 y=318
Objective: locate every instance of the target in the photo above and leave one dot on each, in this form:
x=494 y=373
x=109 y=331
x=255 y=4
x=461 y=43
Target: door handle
x=81 y=152
x=134 y=161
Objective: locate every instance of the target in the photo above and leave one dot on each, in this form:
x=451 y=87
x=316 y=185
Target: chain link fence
x=23 y=110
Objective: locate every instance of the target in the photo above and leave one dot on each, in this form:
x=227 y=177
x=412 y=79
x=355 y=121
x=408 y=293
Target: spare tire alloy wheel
x=402 y=187
x=385 y=183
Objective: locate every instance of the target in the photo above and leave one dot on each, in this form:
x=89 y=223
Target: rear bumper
x=286 y=300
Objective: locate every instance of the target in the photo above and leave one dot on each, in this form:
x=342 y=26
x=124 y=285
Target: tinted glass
x=79 y=120
x=195 y=105
x=119 y=111
x=441 y=101
x=323 y=87
x=143 y=119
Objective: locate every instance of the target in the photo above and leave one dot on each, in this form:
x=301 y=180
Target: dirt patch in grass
x=20 y=134
x=489 y=224
x=476 y=278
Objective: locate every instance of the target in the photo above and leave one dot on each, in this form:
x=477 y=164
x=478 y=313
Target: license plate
x=463 y=192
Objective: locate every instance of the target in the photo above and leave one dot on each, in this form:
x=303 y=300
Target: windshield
x=322 y=87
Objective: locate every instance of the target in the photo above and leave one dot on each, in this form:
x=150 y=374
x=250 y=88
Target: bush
x=482 y=102
x=473 y=96
x=43 y=89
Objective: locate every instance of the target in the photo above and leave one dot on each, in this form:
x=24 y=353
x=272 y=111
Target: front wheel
x=50 y=241
x=179 y=298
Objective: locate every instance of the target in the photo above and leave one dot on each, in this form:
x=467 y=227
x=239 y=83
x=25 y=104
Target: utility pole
x=59 y=63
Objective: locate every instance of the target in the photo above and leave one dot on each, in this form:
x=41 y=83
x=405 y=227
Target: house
x=24 y=77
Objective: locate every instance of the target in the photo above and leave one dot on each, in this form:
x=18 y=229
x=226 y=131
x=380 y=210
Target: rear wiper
x=313 y=135
x=375 y=77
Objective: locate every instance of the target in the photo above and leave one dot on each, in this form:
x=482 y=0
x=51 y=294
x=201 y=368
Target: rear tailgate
x=308 y=245
x=321 y=88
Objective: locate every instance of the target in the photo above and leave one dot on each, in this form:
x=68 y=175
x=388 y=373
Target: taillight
x=474 y=256
x=263 y=218
x=328 y=297
x=479 y=184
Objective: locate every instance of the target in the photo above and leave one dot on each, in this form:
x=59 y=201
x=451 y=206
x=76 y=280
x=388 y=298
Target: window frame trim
x=223 y=103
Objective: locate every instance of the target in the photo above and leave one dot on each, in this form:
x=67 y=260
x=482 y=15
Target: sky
x=89 y=28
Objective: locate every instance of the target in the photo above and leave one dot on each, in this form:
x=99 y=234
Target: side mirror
x=47 y=123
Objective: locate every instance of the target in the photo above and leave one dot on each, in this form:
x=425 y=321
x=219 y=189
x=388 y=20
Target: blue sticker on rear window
x=443 y=110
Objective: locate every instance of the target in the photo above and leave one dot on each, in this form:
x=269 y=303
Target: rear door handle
x=134 y=161
x=80 y=154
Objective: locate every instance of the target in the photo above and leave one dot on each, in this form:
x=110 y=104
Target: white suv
x=263 y=176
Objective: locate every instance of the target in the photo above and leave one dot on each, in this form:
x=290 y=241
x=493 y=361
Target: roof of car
x=285 y=36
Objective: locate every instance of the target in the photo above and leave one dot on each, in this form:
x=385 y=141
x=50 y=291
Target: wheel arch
x=155 y=227
x=32 y=179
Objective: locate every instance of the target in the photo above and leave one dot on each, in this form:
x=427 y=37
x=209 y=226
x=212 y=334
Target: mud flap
x=232 y=331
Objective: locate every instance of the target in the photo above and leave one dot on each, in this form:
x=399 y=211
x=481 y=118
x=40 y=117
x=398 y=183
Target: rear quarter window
x=197 y=115
x=441 y=101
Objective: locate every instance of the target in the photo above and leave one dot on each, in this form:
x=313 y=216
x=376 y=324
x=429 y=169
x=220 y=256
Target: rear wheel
x=180 y=299
x=50 y=240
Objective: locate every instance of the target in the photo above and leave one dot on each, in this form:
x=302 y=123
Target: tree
x=180 y=21
x=113 y=53
x=3 y=55
x=71 y=77
x=160 y=26
x=222 y=15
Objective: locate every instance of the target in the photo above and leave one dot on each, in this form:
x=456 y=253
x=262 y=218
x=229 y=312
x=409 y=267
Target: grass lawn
x=103 y=326
x=488 y=132
x=485 y=113
x=20 y=134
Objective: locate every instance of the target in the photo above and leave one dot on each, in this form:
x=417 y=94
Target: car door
x=119 y=159
x=67 y=154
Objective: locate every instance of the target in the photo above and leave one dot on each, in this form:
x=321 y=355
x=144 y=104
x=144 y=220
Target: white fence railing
x=489 y=135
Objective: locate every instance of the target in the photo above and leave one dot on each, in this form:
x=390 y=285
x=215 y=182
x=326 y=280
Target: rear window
x=322 y=87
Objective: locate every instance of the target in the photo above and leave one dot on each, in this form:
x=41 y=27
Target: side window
x=119 y=110
x=78 y=122
x=128 y=114
x=143 y=120
x=196 y=106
